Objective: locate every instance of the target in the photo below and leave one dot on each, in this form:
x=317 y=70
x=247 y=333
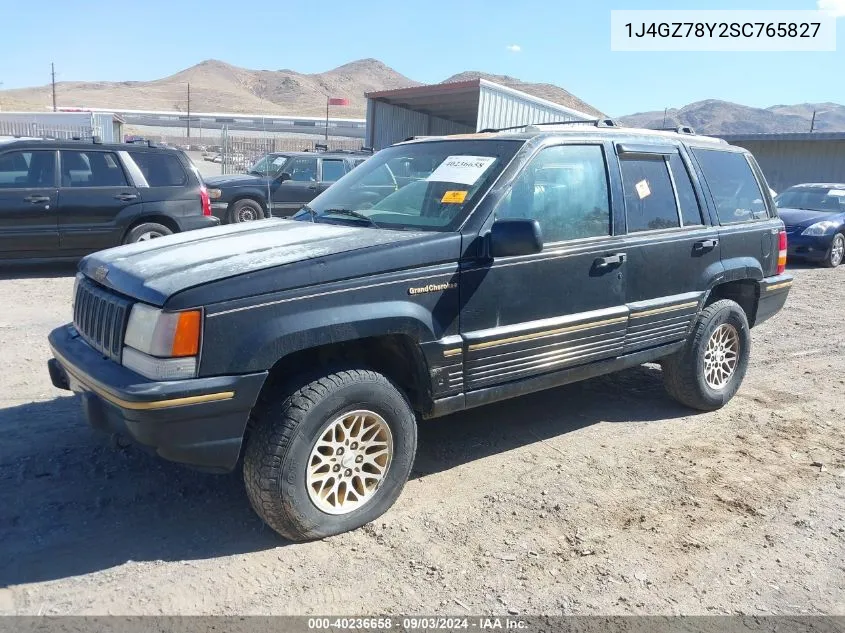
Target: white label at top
x=465 y=170
x=739 y=30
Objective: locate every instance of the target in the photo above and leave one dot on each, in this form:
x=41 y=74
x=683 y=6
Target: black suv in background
x=279 y=184
x=66 y=199
x=497 y=265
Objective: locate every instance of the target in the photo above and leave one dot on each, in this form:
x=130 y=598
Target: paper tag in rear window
x=643 y=190
x=836 y=192
x=454 y=197
x=464 y=170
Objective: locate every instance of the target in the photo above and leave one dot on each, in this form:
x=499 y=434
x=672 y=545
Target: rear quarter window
x=731 y=181
x=160 y=169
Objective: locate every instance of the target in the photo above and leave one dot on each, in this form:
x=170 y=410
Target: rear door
x=301 y=188
x=743 y=208
x=673 y=249
x=94 y=193
x=28 y=214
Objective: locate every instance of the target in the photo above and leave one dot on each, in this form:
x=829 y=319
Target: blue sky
x=566 y=43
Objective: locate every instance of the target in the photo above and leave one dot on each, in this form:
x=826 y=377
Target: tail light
x=205 y=200
x=781 y=251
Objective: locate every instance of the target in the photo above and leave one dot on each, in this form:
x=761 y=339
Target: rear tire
x=305 y=478
x=245 y=210
x=836 y=253
x=146 y=231
x=708 y=371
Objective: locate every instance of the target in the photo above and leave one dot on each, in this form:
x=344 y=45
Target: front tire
x=330 y=456
x=245 y=211
x=708 y=371
x=836 y=253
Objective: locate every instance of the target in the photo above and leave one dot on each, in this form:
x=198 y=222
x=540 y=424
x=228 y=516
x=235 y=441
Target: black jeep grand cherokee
x=497 y=265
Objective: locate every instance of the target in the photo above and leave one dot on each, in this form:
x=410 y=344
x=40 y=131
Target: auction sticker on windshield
x=464 y=170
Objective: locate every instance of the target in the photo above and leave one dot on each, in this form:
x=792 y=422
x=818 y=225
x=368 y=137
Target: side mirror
x=284 y=176
x=515 y=236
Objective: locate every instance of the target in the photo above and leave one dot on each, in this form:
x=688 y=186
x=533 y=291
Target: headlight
x=162 y=345
x=820 y=228
x=215 y=194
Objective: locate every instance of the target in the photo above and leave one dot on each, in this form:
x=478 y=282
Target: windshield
x=269 y=165
x=426 y=186
x=813 y=199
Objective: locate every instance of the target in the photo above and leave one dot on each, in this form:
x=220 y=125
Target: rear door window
x=649 y=199
x=736 y=192
x=160 y=169
x=91 y=169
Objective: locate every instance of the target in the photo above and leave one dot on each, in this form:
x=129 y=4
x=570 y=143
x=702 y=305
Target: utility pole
x=813 y=121
x=53 y=76
x=189 y=113
x=665 y=110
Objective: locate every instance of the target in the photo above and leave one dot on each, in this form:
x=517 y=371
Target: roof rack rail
x=593 y=122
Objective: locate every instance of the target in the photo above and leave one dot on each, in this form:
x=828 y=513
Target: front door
x=94 y=191
x=28 y=216
x=526 y=316
x=674 y=251
x=301 y=188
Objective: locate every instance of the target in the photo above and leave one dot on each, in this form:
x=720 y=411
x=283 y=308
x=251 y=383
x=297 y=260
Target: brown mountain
x=549 y=92
x=723 y=117
x=220 y=87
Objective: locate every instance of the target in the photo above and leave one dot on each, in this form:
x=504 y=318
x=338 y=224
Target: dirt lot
x=601 y=497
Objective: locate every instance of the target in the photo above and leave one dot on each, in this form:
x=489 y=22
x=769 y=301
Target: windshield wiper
x=352 y=214
x=310 y=211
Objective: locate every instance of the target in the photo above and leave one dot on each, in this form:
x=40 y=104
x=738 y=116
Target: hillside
x=723 y=117
x=220 y=87
x=550 y=92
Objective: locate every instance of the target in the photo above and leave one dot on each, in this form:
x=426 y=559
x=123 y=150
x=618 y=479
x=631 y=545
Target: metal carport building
x=790 y=159
x=459 y=107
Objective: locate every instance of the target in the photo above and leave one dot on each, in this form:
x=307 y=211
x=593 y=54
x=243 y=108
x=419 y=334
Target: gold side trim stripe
x=156 y=404
x=544 y=333
x=452 y=352
x=681 y=306
x=784 y=284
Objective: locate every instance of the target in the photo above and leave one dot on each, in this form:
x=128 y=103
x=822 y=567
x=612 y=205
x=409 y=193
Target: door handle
x=36 y=199
x=610 y=260
x=126 y=197
x=705 y=245
x=312 y=187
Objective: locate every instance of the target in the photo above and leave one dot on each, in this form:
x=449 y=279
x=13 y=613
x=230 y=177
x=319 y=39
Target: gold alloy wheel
x=349 y=461
x=721 y=356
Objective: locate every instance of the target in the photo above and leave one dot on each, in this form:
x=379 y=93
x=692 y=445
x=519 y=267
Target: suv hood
x=236 y=180
x=154 y=270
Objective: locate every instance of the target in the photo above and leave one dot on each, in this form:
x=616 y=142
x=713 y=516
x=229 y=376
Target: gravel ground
x=602 y=497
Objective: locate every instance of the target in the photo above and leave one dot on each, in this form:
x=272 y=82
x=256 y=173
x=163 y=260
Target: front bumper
x=813 y=247
x=199 y=422
x=773 y=294
x=191 y=222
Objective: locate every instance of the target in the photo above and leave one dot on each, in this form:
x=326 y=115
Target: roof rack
x=680 y=129
x=593 y=122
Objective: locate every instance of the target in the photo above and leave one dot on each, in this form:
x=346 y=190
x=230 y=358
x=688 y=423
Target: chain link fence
x=236 y=154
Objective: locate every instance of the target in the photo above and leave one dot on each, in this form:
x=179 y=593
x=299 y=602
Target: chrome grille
x=100 y=317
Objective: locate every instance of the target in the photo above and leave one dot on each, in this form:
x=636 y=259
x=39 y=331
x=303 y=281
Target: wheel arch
x=745 y=292
x=248 y=195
